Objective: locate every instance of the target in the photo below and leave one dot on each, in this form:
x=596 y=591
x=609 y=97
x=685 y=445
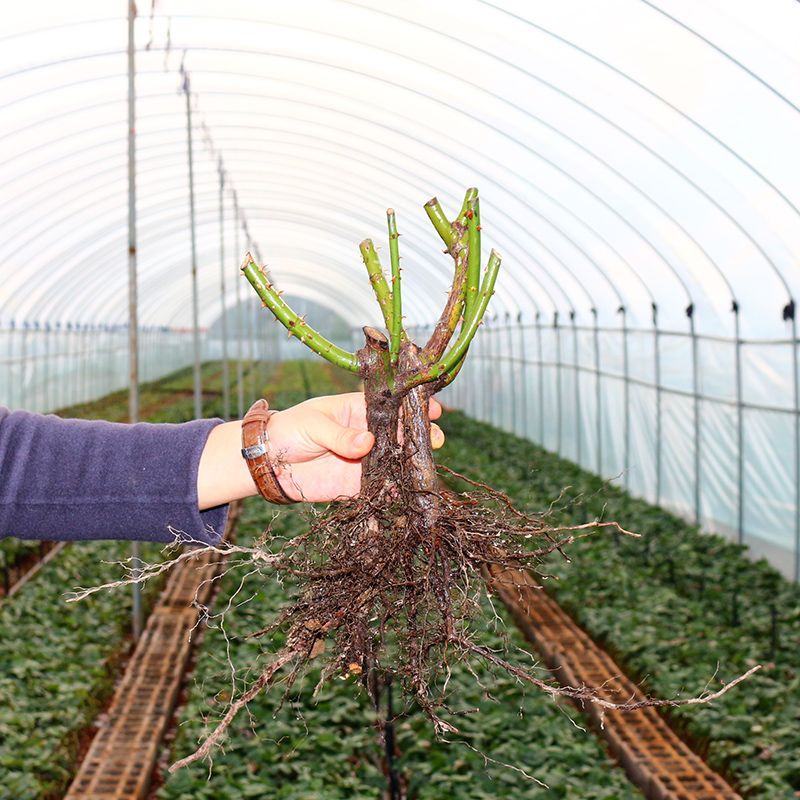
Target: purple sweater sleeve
x=82 y=479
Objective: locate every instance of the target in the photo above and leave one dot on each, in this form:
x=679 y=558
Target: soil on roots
x=388 y=589
x=391 y=583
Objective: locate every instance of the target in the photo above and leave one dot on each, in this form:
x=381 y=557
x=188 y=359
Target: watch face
x=254 y=451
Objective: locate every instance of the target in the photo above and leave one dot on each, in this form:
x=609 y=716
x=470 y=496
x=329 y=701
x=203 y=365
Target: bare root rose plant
x=391 y=582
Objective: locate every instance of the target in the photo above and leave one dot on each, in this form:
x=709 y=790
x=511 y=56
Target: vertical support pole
x=6 y=394
x=487 y=375
x=540 y=388
x=739 y=427
x=198 y=385
x=73 y=346
x=77 y=356
x=796 y=385
x=84 y=353
x=251 y=345
x=30 y=388
x=226 y=381
x=512 y=386
x=133 y=320
x=578 y=421
x=239 y=347
x=696 y=414
x=46 y=370
x=626 y=377
x=559 y=410
x=523 y=378
x=60 y=375
x=598 y=394
x=75 y=339
x=82 y=364
x=657 y=377
x=23 y=367
x=89 y=360
x=92 y=388
x=9 y=364
x=74 y=353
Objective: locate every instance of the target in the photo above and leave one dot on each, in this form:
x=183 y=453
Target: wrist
x=223 y=475
x=259 y=454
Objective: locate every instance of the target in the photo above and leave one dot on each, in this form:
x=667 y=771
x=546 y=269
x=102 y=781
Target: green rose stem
x=396 y=322
x=393 y=366
x=295 y=324
x=399 y=378
x=377 y=279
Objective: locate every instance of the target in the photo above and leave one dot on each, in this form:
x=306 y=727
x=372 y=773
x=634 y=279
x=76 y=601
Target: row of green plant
x=170 y=399
x=326 y=746
x=678 y=608
x=59 y=661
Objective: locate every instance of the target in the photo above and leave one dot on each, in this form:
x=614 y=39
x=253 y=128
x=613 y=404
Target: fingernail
x=363 y=439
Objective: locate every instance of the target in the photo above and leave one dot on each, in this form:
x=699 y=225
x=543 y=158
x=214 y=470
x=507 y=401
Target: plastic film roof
x=628 y=153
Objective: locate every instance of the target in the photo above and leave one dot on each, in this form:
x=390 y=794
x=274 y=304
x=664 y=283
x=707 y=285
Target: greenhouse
x=565 y=561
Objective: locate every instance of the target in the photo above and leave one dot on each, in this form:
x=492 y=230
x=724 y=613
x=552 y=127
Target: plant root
x=379 y=589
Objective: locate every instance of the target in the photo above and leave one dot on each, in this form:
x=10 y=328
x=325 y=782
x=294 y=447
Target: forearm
x=79 y=479
x=222 y=475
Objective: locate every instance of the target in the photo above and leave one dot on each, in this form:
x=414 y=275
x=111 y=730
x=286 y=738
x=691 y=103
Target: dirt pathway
x=654 y=757
x=121 y=759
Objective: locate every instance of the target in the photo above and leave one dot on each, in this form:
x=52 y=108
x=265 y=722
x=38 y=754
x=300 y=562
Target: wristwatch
x=256 y=452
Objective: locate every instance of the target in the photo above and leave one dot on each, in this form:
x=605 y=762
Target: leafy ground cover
x=170 y=399
x=57 y=667
x=676 y=608
x=59 y=661
x=669 y=607
x=326 y=746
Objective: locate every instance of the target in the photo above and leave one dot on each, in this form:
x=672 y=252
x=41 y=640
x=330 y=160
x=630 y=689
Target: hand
x=320 y=444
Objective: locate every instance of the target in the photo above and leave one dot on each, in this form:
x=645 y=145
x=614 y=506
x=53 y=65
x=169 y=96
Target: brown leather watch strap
x=256 y=452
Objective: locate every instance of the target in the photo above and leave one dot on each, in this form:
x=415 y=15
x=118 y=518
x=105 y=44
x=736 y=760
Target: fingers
x=350 y=409
x=340 y=439
x=437 y=436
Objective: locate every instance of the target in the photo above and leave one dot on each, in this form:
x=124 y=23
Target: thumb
x=344 y=441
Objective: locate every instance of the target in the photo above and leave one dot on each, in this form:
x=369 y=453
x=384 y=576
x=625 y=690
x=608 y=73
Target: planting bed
x=674 y=607
x=57 y=667
x=655 y=758
x=119 y=762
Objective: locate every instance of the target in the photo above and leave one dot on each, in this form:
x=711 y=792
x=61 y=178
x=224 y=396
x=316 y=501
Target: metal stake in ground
x=133 y=320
